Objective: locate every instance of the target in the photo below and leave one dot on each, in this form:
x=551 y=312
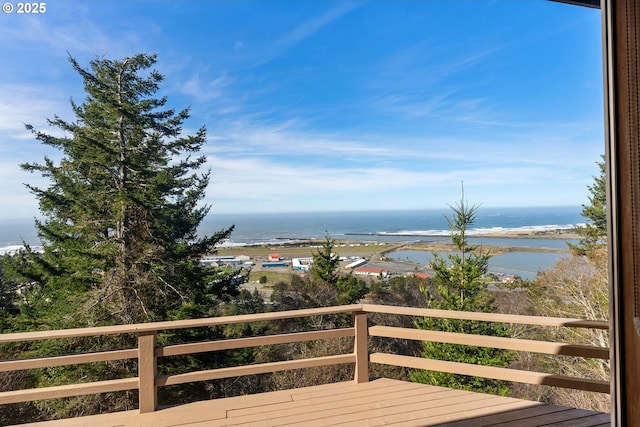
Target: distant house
x=209 y=260
x=301 y=264
x=423 y=276
x=274 y=257
x=275 y=264
x=508 y=279
x=370 y=271
x=355 y=264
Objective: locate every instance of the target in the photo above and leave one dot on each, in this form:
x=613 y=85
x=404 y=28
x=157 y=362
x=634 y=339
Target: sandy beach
x=560 y=233
x=356 y=247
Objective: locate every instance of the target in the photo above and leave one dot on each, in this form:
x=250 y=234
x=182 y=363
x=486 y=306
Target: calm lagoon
x=525 y=264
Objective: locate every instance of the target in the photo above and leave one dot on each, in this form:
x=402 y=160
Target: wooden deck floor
x=381 y=402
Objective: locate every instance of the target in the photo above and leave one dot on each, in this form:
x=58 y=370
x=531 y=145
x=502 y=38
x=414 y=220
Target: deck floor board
x=380 y=402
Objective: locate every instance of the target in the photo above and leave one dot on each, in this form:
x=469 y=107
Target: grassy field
x=273 y=277
x=370 y=251
x=307 y=249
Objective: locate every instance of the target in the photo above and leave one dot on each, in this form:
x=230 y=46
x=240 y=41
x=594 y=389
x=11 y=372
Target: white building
x=372 y=272
x=355 y=264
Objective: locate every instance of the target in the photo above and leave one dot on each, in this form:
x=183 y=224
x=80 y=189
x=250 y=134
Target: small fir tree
x=325 y=269
x=458 y=285
x=325 y=263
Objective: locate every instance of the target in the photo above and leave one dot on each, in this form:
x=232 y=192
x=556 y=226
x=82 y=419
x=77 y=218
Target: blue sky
x=319 y=105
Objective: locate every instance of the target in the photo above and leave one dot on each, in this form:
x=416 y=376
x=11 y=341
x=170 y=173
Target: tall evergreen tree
x=123 y=205
x=119 y=231
x=458 y=285
x=594 y=233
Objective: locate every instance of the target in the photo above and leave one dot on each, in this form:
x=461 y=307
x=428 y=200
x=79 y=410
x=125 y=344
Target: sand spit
x=373 y=249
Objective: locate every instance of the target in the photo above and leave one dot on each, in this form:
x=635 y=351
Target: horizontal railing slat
x=504 y=343
x=487 y=317
x=175 y=324
x=69 y=359
x=278 y=315
x=17 y=396
x=504 y=374
x=234 y=343
x=263 y=368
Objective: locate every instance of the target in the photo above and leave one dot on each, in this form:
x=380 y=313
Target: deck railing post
x=361 y=347
x=147 y=371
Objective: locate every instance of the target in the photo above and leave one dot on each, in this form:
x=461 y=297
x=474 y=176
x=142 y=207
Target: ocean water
x=394 y=226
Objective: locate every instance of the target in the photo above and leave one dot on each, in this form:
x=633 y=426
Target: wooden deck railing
x=148 y=352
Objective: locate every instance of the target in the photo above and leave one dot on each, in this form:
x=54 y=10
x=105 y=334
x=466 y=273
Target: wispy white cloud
x=205 y=88
x=242 y=184
x=308 y=28
x=292 y=139
x=450 y=105
x=295 y=138
x=15 y=197
x=434 y=79
x=431 y=61
x=260 y=183
x=56 y=38
x=28 y=104
x=293 y=37
x=78 y=29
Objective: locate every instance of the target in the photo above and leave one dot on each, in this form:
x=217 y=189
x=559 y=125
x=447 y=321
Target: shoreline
x=557 y=233
x=284 y=242
x=301 y=244
x=368 y=248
